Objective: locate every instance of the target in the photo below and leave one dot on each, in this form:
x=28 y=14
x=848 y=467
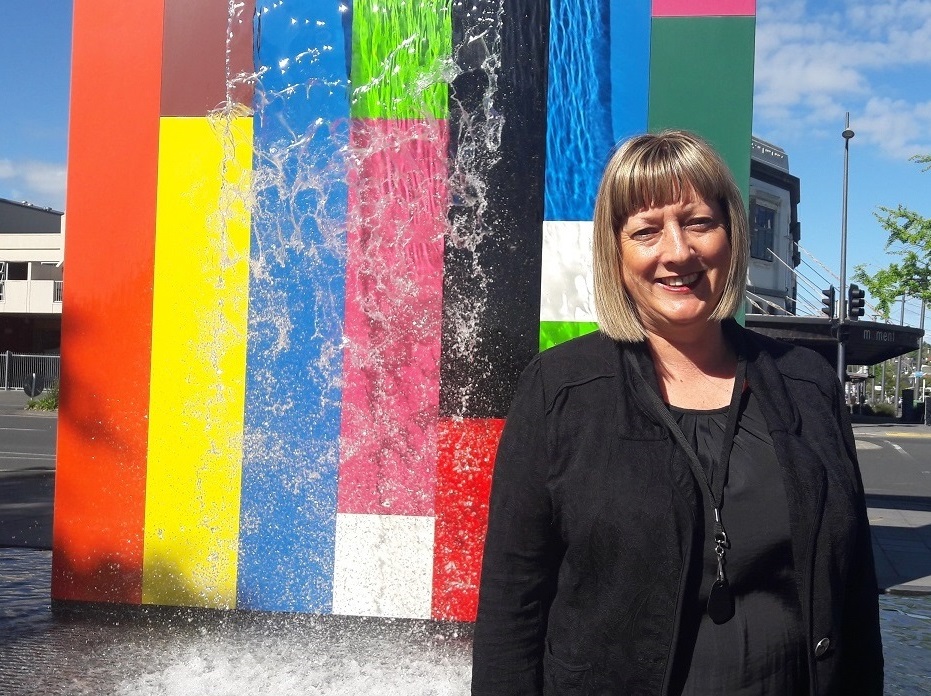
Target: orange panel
x=107 y=304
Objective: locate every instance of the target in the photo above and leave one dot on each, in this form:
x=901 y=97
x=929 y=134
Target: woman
x=677 y=506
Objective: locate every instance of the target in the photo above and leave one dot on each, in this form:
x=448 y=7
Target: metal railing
x=56 y=291
x=17 y=368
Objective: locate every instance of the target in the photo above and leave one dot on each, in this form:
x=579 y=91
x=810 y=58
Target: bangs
x=663 y=174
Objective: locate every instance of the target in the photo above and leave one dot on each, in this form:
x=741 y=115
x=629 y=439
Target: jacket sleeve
x=520 y=561
x=861 y=668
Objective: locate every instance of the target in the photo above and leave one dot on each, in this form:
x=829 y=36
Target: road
x=895 y=461
x=27 y=441
x=27 y=474
x=896 y=465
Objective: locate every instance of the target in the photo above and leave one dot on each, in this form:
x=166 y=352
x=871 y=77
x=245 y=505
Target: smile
x=679 y=281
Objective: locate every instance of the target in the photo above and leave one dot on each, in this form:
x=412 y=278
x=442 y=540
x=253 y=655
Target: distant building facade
x=774 y=231
x=31 y=274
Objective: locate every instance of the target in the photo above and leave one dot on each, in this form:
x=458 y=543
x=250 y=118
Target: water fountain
x=310 y=247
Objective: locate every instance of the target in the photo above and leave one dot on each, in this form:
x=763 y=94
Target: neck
x=694 y=371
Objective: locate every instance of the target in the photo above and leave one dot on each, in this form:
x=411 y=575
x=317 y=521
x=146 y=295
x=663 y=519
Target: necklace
x=721 y=598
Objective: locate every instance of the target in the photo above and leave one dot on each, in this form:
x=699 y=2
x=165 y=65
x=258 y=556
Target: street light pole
x=842 y=299
x=898 y=365
x=919 y=383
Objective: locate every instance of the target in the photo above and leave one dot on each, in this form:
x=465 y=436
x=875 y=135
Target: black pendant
x=721 y=602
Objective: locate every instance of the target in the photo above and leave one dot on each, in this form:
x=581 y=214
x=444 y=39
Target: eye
x=643 y=233
x=701 y=224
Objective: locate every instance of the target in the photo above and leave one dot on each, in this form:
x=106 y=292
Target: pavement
x=13 y=401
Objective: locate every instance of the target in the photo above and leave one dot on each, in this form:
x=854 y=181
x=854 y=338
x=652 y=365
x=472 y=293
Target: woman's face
x=674 y=263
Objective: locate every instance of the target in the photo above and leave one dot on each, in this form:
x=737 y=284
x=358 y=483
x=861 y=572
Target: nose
x=676 y=244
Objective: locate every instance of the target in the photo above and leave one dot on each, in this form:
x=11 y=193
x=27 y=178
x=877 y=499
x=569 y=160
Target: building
x=31 y=254
x=774 y=231
x=771 y=299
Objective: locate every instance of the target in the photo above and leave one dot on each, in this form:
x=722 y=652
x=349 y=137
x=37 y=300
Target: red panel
x=398 y=203
x=467 y=455
x=107 y=317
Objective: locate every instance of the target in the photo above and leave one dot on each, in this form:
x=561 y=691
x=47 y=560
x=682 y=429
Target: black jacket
x=593 y=527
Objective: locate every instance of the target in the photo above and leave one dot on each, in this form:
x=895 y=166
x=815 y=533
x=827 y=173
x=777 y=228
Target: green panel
x=400 y=55
x=553 y=333
x=701 y=79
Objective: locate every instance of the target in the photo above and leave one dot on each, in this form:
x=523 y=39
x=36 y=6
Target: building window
x=2 y=279
x=17 y=270
x=762 y=230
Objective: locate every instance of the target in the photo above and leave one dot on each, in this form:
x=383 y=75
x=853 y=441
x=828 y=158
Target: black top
x=761 y=649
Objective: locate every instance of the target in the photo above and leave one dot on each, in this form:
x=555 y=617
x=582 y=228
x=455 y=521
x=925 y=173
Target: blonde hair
x=656 y=170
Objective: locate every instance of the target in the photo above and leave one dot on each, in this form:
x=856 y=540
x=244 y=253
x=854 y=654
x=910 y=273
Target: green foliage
x=47 y=401
x=909 y=239
x=883 y=410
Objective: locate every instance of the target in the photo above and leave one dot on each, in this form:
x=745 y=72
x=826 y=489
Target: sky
x=815 y=61
x=35 y=63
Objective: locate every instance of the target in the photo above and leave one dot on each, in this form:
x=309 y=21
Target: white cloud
x=900 y=128
x=40 y=183
x=815 y=61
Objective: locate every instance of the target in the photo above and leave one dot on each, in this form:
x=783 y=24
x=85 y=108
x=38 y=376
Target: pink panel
x=704 y=8
x=398 y=202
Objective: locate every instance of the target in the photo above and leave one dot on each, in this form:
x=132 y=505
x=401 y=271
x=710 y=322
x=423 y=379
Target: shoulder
x=791 y=361
x=579 y=361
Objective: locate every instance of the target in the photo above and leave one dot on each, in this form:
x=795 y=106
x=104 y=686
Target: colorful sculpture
x=304 y=259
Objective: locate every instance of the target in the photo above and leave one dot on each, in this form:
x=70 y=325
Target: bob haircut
x=656 y=170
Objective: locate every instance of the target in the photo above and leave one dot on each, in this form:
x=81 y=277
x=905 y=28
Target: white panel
x=567 y=289
x=383 y=566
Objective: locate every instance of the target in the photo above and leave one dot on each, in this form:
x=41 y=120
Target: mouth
x=681 y=281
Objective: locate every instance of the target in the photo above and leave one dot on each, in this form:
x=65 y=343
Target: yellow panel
x=198 y=362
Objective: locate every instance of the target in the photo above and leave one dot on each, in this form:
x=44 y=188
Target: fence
x=16 y=368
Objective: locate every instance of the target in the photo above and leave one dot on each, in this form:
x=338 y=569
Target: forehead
x=687 y=202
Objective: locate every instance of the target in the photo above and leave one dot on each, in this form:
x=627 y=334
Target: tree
x=910 y=240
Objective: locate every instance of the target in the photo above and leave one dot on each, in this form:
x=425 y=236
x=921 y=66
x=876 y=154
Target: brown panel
x=194 y=72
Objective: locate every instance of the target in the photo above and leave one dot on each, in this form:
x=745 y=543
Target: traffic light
x=855 y=302
x=827 y=299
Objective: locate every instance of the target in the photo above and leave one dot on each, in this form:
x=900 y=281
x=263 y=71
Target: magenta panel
x=398 y=203
x=704 y=8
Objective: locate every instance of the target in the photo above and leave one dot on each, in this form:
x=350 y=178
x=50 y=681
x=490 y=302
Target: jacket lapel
x=803 y=469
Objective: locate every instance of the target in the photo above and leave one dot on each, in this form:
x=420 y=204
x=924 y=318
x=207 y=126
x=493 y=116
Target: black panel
x=491 y=301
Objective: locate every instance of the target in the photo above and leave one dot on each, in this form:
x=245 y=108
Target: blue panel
x=296 y=298
x=630 y=67
x=579 y=133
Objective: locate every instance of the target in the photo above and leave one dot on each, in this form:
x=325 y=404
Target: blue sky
x=815 y=60
x=35 y=55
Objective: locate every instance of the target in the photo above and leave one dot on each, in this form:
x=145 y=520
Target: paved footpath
x=900 y=524
x=12 y=401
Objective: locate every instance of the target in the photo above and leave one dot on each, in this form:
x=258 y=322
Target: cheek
x=718 y=255
x=630 y=275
